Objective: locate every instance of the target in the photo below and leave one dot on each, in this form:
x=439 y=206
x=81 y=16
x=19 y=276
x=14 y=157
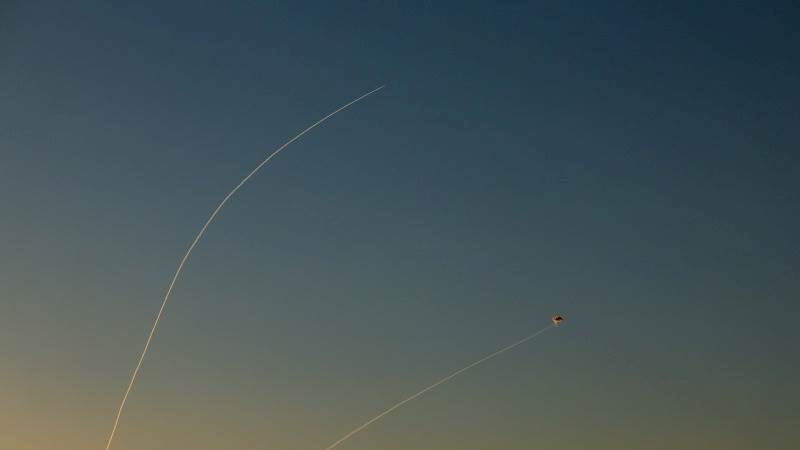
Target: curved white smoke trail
x=194 y=243
x=443 y=380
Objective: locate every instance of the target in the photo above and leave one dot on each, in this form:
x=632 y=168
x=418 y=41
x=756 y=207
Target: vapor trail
x=443 y=380
x=194 y=243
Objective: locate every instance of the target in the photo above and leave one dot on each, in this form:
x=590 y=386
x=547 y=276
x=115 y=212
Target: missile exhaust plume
x=434 y=385
x=194 y=243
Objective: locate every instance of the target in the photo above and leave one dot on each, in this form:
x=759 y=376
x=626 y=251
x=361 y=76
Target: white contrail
x=194 y=243
x=443 y=380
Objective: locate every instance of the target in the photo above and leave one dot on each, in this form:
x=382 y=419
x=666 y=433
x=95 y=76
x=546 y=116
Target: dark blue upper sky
x=632 y=165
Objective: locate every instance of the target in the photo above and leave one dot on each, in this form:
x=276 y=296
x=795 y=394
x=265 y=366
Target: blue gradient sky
x=632 y=166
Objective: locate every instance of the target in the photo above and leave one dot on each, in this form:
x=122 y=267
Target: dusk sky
x=634 y=166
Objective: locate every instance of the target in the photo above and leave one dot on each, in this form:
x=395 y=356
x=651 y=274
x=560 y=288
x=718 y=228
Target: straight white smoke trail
x=194 y=243
x=434 y=385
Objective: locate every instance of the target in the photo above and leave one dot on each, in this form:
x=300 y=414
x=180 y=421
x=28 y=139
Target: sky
x=633 y=166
